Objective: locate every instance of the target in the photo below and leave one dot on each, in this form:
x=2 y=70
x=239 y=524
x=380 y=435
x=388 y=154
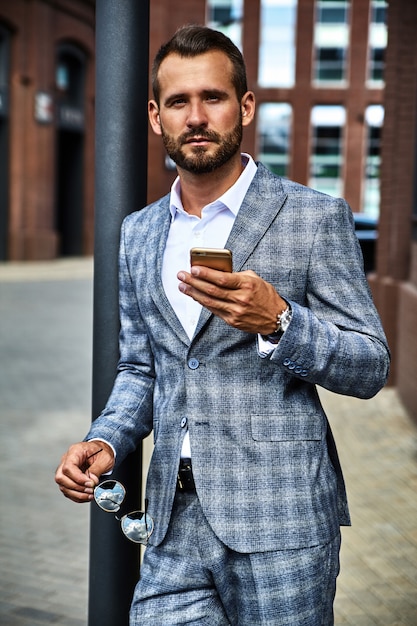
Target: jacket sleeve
x=127 y=416
x=335 y=338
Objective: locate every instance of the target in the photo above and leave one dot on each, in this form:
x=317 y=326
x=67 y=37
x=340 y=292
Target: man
x=223 y=366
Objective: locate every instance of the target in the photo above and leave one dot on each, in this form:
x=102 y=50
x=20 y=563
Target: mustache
x=200 y=133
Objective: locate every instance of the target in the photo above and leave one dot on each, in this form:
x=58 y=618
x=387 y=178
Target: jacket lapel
x=260 y=207
x=158 y=234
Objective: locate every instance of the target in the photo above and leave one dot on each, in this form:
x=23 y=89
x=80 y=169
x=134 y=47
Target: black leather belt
x=185 y=480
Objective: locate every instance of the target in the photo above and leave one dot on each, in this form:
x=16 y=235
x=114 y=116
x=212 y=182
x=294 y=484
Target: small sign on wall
x=44 y=109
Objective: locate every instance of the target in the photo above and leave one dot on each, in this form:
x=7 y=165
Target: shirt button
x=183 y=422
x=193 y=364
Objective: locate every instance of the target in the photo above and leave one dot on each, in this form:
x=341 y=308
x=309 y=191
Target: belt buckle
x=185 y=479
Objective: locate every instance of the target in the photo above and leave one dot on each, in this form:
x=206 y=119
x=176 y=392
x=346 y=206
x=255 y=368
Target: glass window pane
x=330 y=64
x=277 y=43
x=331 y=41
x=227 y=17
x=327 y=127
x=332 y=14
x=274 y=135
x=374 y=117
x=378 y=36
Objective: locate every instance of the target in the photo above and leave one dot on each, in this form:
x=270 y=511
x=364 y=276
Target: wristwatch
x=283 y=321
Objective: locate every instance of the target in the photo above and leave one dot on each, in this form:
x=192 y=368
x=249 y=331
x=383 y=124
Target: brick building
x=46 y=128
x=394 y=284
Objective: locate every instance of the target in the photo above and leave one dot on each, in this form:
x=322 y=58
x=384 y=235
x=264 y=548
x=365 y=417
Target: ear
x=154 y=119
x=248 y=108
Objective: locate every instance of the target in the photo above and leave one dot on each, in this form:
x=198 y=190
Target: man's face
x=199 y=115
x=201 y=160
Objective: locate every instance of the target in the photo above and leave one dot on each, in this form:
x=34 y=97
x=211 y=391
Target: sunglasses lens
x=136 y=527
x=109 y=495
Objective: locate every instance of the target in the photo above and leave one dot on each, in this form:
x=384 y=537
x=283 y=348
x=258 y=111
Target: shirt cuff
x=265 y=347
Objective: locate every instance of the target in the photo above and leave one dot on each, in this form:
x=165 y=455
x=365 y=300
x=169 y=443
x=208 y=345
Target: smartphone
x=216 y=258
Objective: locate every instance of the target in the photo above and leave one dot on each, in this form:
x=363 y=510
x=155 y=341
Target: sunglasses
x=138 y=525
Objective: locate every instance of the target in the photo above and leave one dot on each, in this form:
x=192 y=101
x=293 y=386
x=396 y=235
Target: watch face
x=284 y=325
x=285 y=319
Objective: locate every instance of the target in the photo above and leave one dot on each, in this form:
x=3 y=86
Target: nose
x=197 y=115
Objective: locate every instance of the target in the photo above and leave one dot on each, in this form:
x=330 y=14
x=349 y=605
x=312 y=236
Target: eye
x=213 y=97
x=175 y=102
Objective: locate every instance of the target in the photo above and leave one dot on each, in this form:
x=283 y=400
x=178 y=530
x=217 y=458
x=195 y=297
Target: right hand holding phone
x=242 y=299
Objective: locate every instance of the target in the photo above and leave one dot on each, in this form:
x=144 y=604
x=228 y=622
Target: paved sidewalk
x=45 y=388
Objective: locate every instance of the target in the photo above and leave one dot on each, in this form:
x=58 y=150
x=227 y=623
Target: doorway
x=69 y=184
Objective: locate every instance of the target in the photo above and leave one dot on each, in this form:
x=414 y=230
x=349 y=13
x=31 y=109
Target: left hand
x=242 y=299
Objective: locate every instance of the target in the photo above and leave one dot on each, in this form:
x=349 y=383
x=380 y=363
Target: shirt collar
x=232 y=198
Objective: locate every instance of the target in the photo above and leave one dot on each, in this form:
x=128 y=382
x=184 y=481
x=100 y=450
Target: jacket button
x=193 y=364
x=183 y=422
x=287 y=362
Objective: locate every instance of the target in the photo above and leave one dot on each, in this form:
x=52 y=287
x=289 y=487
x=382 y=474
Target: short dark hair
x=193 y=40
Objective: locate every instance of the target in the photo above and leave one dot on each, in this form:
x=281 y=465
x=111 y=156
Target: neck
x=198 y=190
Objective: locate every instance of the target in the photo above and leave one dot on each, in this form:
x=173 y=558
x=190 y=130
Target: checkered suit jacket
x=264 y=460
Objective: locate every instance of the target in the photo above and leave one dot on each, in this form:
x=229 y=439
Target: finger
x=77 y=496
x=214 y=285
x=73 y=481
x=226 y=280
x=76 y=491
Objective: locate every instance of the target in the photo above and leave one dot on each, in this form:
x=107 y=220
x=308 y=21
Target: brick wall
x=395 y=283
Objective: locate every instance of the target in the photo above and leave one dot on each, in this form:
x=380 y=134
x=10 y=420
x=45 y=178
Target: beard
x=200 y=161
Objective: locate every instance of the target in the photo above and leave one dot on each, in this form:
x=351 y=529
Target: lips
x=197 y=139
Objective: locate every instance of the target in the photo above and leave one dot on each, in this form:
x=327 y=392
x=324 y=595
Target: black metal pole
x=122 y=60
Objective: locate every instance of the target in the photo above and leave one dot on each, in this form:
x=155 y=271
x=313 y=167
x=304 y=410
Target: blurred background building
x=336 y=87
x=46 y=128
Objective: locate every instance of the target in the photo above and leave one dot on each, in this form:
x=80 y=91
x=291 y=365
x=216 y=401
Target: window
x=331 y=41
x=327 y=124
x=330 y=64
x=227 y=17
x=374 y=117
x=377 y=41
x=277 y=43
x=70 y=72
x=274 y=135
